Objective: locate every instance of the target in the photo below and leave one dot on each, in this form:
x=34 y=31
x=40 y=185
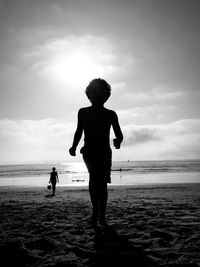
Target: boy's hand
x=72 y=151
x=116 y=143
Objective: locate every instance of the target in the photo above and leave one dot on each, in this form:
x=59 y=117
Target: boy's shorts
x=98 y=164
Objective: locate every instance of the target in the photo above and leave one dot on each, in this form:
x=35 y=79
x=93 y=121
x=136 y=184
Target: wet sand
x=155 y=225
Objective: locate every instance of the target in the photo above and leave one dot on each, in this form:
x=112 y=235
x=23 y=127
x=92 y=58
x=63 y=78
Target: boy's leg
x=90 y=163
x=53 y=188
x=94 y=199
x=103 y=197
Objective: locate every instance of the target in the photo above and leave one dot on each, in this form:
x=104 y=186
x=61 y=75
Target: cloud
x=176 y=140
x=159 y=104
x=161 y=94
x=154 y=113
x=34 y=140
x=83 y=57
x=48 y=140
x=30 y=130
x=140 y=135
x=136 y=134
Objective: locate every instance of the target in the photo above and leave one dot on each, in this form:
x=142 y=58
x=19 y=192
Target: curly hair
x=98 y=90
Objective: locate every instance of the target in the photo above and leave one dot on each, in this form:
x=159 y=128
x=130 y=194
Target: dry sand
x=149 y=226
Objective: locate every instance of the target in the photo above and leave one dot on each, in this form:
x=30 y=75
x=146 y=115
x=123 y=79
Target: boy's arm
x=57 y=177
x=118 y=133
x=77 y=135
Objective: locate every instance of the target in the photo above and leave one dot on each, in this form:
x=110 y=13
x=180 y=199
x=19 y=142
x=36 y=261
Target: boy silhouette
x=53 y=180
x=95 y=121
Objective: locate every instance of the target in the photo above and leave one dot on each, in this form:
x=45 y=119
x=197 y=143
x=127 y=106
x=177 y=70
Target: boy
x=95 y=121
x=53 y=180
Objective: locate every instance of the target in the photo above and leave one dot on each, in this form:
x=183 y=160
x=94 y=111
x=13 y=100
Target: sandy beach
x=155 y=225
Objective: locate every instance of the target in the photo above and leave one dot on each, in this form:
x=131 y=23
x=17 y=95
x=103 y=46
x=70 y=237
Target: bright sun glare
x=78 y=167
x=76 y=68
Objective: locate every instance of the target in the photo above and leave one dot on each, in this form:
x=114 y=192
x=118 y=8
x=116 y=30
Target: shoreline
x=118 y=179
x=110 y=186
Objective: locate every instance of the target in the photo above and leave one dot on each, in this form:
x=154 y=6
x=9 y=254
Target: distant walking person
x=53 y=180
x=95 y=121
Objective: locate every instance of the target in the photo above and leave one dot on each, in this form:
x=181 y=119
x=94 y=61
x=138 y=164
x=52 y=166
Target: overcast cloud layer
x=147 y=50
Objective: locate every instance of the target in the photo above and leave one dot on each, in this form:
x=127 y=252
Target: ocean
x=123 y=173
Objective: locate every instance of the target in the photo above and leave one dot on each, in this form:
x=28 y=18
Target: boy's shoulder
x=84 y=109
x=110 y=111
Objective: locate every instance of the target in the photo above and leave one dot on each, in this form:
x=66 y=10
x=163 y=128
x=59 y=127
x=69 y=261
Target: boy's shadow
x=116 y=250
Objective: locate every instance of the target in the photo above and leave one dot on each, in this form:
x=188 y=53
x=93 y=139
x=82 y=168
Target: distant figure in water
x=53 y=180
x=95 y=121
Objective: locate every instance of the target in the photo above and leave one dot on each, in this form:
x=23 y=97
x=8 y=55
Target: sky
x=147 y=50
